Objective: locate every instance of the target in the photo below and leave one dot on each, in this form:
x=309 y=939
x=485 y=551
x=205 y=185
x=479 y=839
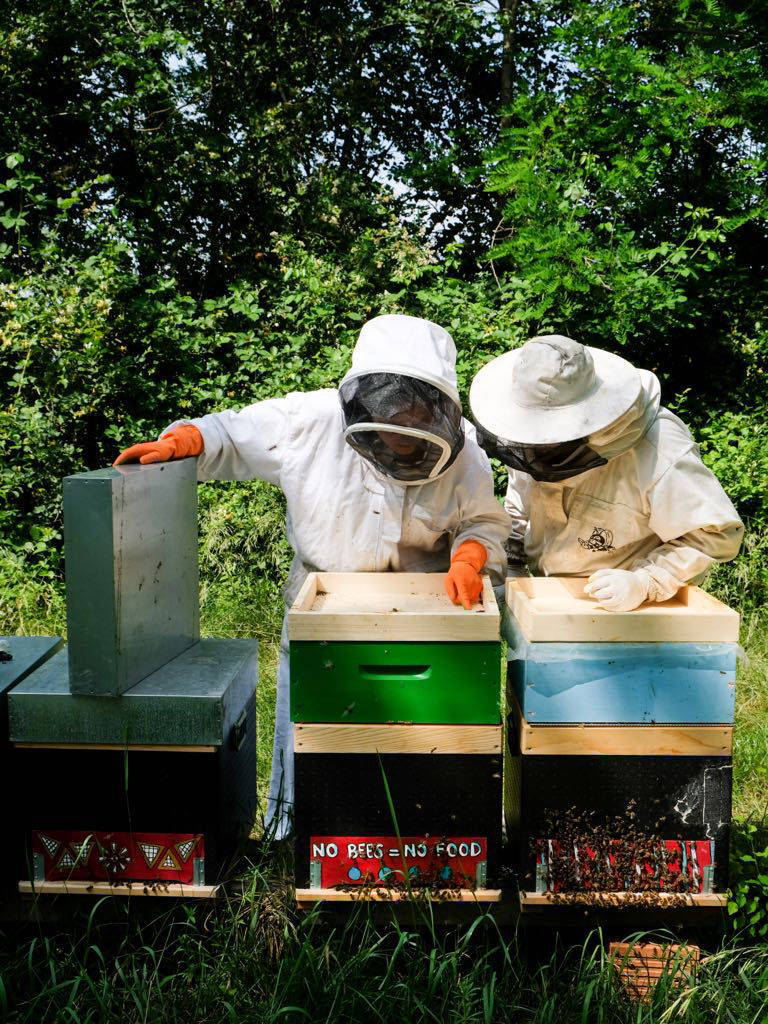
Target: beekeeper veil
x=400 y=403
x=555 y=408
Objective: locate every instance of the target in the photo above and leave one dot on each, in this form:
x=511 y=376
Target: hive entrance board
x=556 y=609
x=388 y=606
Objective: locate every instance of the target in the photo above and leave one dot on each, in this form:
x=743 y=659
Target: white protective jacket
x=344 y=516
x=654 y=505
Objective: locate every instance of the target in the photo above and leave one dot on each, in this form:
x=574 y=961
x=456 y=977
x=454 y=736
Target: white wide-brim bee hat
x=552 y=390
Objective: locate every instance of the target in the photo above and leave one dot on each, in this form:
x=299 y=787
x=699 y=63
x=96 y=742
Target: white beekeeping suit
x=601 y=476
x=360 y=499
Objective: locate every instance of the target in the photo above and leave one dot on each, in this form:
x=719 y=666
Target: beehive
x=19 y=655
x=175 y=755
x=135 y=747
x=395 y=699
x=619 y=718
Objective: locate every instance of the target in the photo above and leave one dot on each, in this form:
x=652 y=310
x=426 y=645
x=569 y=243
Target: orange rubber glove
x=176 y=444
x=464 y=584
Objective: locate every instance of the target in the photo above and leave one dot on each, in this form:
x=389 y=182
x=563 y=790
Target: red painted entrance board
x=79 y=855
x=692 y=859
x=451 y=861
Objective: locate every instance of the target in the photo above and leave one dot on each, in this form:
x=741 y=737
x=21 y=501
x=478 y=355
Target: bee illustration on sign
x=599 y=540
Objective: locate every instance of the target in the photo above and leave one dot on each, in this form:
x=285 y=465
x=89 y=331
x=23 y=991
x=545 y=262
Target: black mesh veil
x=409 y=429
x=544 y=462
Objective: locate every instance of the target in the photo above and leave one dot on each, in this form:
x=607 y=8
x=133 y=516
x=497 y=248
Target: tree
x=634 y=174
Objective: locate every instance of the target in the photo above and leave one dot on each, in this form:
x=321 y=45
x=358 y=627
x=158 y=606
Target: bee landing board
x=130 y=547
x=391 y=647
x=555 y=609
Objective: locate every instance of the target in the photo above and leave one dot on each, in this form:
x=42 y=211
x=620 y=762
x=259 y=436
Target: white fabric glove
x=619 y=590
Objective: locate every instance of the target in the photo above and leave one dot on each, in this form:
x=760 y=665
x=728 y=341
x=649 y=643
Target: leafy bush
x=748 y=895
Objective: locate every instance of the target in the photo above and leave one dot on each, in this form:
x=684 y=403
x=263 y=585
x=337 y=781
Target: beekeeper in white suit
x=603 y=481
x=382 y=475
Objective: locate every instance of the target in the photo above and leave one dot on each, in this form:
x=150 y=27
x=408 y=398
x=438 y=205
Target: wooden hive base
x=310 y=897
x=624 y=900
x=84 y=888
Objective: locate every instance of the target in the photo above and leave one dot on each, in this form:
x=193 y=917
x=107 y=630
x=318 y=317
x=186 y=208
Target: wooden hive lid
x=388 y=606
x=555 y=609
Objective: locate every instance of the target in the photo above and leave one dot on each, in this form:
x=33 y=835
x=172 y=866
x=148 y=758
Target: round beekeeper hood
x=409 y=346
x=552 y=389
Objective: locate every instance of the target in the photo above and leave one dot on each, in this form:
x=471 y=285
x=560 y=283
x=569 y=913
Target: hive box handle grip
x=238 y=732
x=396 y=673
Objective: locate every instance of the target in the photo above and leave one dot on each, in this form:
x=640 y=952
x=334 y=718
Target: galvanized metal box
x=130 y=545
x=187 y=702
x=391 y=647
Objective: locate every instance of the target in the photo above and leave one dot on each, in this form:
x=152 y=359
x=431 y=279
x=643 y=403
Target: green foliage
x=748 y=897
x=255 y=960
x=633 y=176
x=220 y=123
x=734 y=444
x=31 y=595
x=201 y=205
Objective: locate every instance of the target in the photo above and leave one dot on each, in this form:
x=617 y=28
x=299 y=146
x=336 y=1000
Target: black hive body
x=432 y=794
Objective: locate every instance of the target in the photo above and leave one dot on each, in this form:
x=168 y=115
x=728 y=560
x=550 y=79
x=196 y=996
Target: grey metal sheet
x=27 y=653
x=192 y=700
x=130 y=545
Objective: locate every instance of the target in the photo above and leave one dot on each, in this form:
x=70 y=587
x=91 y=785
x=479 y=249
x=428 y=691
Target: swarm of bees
x=610 y=862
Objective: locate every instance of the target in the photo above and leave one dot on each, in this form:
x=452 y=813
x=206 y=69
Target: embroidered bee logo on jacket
x=599 y=540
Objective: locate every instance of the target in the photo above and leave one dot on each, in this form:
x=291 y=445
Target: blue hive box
x=621 y=683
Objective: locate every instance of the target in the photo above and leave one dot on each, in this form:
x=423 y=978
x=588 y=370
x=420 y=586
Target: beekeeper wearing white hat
x=380 y=475
x=603 y=481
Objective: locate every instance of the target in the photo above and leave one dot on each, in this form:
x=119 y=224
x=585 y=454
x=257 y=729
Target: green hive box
x=390 y=647
x=130 y=545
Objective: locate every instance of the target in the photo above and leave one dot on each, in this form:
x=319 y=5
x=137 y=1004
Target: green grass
x=255 y=959
x=750 y=755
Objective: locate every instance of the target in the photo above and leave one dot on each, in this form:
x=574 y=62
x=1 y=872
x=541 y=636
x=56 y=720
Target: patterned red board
x=695 y=858
x=360 y=860
x=79 y=855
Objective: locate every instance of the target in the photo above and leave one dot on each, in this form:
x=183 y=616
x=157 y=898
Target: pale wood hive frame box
x=388 y=606
x=555 y=609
